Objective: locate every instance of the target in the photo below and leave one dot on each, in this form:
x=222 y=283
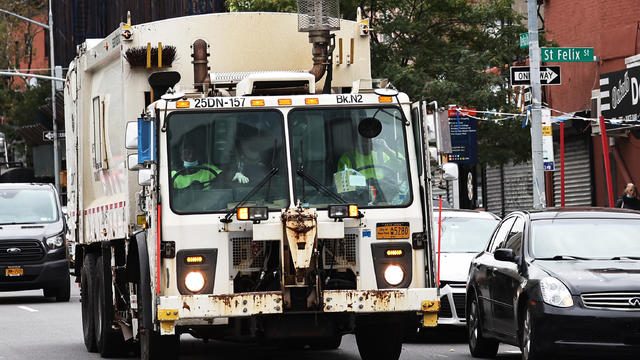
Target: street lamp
x=56 y=165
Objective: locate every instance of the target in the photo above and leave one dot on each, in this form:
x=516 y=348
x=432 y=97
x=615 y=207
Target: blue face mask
x=627 y=196
x=190 y=163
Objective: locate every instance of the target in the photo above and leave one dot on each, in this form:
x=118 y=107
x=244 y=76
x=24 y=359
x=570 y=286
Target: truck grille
x=29 y=251
x=339 y=253
x=625 y=301
x=247 y=254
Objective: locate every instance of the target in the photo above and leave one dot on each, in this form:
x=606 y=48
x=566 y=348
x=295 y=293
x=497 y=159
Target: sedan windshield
x=219 y=159
x=27 y=206
x=585 y=238
x=353 y=155
x=462 y=234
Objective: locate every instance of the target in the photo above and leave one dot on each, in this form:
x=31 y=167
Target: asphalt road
x=34 y=327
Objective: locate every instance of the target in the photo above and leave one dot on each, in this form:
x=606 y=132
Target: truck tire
x=328 y=343
x=109 y=342
x=87 y=302
x=376 y=342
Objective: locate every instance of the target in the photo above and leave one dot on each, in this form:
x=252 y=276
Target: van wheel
x=87 y=301
x=63 y=293
x=109 y=342
x=376 y=342
x=479 y=346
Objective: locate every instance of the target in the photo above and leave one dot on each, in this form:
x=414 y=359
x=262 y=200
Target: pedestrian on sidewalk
x=629 y=199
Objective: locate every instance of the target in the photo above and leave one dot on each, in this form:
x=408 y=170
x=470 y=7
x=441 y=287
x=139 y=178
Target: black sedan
x=558 y=282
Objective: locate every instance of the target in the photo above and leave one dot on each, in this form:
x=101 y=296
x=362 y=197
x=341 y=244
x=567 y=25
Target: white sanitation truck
x=258 y=201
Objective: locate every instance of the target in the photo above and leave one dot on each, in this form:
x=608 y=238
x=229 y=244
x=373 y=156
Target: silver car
x=464 y=233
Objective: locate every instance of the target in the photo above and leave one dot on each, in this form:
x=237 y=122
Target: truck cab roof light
x=385 y=99
x=182 y=104
x=311 y=101
x=257 y=102
x=284 y=102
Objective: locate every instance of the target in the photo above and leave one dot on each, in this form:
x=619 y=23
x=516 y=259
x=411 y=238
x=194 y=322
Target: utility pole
x=539 y=201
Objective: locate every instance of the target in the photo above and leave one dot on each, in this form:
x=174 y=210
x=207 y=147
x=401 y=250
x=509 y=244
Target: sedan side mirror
x=505 y=255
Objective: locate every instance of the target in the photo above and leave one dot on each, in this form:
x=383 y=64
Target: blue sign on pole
x=464 y=137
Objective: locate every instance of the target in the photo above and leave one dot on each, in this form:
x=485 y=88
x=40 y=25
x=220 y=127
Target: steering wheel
x=193 y=170
x=387 y=186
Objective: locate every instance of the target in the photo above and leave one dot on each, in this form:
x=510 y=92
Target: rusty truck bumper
x=201 y=309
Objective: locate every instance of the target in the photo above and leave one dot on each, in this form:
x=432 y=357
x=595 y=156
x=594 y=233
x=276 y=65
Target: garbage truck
x=240 y=176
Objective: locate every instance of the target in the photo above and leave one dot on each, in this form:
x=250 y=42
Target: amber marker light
x=195 y=259
x=385 y=99
x=257 y=102
x=394 y=252
x=312 y=101
x=353 y=211
x=182 y=104
x=243 y=213
x=284 y=102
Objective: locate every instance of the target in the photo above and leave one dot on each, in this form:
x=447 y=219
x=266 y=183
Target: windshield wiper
x=318 y=185
x=564 y=257
x=258 y=186
x=625 y=258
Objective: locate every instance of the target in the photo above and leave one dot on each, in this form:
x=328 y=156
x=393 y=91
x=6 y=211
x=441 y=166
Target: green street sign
x=567 y=54
x=524 y=40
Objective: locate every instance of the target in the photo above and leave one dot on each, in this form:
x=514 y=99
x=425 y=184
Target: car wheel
x=109 y=342
x=87 y=301
x=479 y=346
x=529 y=345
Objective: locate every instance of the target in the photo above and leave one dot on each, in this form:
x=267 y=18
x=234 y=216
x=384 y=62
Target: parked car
x=464 y=234
x=558 y=281
x=33 y=250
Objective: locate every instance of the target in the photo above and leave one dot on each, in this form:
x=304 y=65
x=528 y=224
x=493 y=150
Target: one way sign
x=549 y=75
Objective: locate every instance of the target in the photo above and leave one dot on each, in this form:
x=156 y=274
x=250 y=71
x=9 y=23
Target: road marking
x=26 y=308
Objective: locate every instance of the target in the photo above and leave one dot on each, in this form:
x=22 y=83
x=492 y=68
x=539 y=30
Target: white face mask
x=190 y=163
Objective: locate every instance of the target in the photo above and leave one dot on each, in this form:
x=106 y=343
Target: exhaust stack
x=201 y=78
x=318 y=18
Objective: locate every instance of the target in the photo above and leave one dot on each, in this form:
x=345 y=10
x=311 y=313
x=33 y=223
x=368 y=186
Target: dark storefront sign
x=464 y=137
x=619 y=94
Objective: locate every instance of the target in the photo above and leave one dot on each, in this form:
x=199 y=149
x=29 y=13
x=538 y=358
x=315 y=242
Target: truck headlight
x=555 y=293
x=194 y=281
x=55 y=242
x=393 y=275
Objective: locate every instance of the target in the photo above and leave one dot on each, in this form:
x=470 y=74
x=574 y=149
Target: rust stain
x=186 y=306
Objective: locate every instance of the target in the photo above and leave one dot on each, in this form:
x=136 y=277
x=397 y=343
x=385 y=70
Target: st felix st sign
x=549 y=75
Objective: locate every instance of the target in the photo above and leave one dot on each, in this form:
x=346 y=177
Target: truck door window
x=217 y=158
x=332 y=157
x=97 y=133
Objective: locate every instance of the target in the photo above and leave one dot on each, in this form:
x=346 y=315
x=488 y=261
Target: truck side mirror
x=144 y=177
x=132 y=162
x=131 y=135
x=450 y=171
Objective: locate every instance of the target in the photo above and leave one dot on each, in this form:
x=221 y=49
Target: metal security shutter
x=577 y=173
x=493 y=183
x=518 y=187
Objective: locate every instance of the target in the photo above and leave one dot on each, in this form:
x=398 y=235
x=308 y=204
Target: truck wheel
x=87 y=302
x=63 y=293
x=153 y=346
x=109 y=342
x=329 y=343
x=375 y=342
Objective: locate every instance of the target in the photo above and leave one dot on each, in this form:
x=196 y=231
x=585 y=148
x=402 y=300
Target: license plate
x=14 y=271
x=392 y=230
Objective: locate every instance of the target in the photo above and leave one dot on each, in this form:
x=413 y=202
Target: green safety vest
x=365 y=163
x=203 y=176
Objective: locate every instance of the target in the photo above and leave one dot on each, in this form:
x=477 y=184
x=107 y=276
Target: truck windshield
x=357 y=155
x=217 y=158
x=27 y=206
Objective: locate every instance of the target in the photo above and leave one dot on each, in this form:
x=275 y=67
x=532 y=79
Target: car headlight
x=555 y=293
x=194 y=281
x=55 y=242
x=393 y=275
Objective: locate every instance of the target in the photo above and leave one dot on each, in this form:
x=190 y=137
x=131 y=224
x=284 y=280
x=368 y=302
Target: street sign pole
x=539 y=200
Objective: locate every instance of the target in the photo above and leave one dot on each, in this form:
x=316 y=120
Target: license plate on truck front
x=399 y=230
x=14 y=271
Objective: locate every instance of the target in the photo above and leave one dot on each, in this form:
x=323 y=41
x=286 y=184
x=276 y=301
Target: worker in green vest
x=372 y=164
x=193 y=175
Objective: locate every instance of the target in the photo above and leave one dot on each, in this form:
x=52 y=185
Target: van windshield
x=27 y=206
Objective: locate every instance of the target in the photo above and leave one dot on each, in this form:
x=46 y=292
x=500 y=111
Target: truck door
x=418 y=118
